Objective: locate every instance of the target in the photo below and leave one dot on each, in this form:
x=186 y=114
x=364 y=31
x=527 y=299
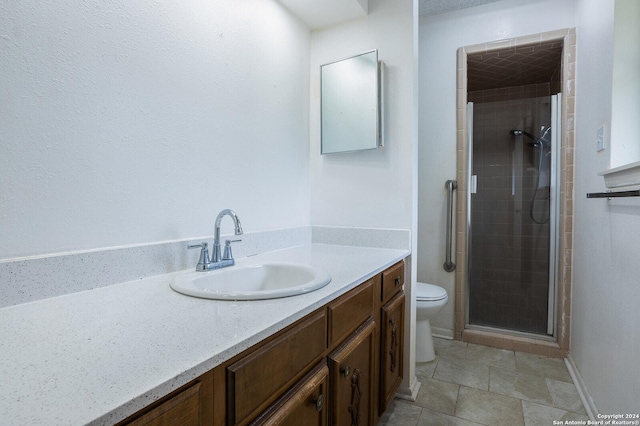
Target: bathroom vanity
x=140 y=353
x=342 y=363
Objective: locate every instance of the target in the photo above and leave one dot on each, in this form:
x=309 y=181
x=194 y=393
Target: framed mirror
x=350 y=104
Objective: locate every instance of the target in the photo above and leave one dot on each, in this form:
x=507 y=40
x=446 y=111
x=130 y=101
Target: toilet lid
x=430 y=292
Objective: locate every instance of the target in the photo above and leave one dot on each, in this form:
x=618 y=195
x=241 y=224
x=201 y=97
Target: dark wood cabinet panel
x=303 y=405
x=191 y=405
x=391 y=350
x=392 y=281
x=350 y=310
x=255 y=381
x=352 y=378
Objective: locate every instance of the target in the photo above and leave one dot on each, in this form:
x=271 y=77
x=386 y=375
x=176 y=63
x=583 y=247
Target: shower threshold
x=513 y=333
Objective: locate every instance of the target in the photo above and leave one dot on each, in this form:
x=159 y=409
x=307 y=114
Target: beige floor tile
x=489 y=408
x=537 y=414
x=552 y=368
x=519 y=385
x=450 y=348
x=491 y=356
x=565 y=395
x=424 y=370
x=463 y=372
x=434 y=418
x=400 y=413
x=438 y=395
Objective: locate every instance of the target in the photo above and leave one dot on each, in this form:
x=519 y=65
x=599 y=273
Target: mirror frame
x=351 y=104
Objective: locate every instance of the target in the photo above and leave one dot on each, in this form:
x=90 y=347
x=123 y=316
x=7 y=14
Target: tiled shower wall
x=509 y=252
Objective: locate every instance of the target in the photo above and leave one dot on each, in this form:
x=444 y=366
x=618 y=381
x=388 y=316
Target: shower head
x=518 y=132
x=542 y=141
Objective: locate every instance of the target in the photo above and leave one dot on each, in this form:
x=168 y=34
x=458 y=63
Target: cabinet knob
x=397 y=281
x=319 y=402
x=346 y=372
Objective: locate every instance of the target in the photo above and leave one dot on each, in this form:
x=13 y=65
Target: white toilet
x=430 y=299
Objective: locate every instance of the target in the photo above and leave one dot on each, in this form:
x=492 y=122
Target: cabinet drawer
x=350 y=310
x=303 y=405
x=190 y=406
x=392 y=280
x=392 y=350
x=256 y=380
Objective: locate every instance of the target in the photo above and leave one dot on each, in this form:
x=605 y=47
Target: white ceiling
x=325 y=13
x=432 y=7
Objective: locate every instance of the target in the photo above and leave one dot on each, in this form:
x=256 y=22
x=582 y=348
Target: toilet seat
x=429 y=292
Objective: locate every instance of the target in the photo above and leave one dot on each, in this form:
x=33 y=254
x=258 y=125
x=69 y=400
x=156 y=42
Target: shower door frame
x=554 y=214
x=538 y=344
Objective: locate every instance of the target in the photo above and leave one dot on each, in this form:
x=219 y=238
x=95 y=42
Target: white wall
x=440 y=37
x=376 y=188
x=625 y=126
x=368 y=188
x=136 y=122
x=604 y=333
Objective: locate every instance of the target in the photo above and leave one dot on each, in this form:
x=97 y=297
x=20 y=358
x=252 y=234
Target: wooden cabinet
x=352 y=379
x=391 y=368
x=391 y=349
x=191 y=405
x=255 y=380
x=349 y=311
x=392 y=281
x=339 y=365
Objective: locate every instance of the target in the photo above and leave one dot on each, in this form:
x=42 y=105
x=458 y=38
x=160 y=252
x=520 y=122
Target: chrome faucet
x=218 y=260
x=215 y=254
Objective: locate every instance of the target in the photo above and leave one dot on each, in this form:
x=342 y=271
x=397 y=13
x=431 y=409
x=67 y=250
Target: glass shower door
x=512 y=215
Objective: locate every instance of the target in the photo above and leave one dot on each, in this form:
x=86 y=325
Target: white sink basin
x=269 y=280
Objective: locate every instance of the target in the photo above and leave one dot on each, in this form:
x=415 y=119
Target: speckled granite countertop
x=97 y=356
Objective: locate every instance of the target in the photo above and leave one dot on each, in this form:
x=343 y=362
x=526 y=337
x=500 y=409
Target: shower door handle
x=449 y=265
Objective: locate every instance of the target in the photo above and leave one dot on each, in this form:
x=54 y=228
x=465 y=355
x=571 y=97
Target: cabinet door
x=305 y=404
x=351 y=369
x=392 y=349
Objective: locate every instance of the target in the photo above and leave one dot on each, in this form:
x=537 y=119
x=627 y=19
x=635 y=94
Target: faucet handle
x=228 y=254
x=204 y=261
x=203 y=245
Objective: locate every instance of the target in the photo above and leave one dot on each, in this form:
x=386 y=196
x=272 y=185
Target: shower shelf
x=614 y=194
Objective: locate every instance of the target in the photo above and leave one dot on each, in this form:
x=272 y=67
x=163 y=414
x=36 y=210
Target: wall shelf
x=626 y=175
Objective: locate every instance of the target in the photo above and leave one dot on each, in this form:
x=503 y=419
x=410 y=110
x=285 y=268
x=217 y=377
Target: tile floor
x=471 y=384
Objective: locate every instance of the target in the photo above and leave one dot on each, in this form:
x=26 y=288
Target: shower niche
x=513 y=119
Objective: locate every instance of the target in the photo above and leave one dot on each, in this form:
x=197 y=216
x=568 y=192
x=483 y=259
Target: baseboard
x=587 y=400
x=409 y=393
x=443 y=333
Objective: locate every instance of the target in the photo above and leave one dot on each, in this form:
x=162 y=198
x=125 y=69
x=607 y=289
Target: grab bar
x=450 y=185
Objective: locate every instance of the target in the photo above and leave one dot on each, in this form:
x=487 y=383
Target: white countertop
x=98 y=356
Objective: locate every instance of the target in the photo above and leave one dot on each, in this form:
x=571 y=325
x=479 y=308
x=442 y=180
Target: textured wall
x=136 y=122
x=604 y=334
x=625 y=126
